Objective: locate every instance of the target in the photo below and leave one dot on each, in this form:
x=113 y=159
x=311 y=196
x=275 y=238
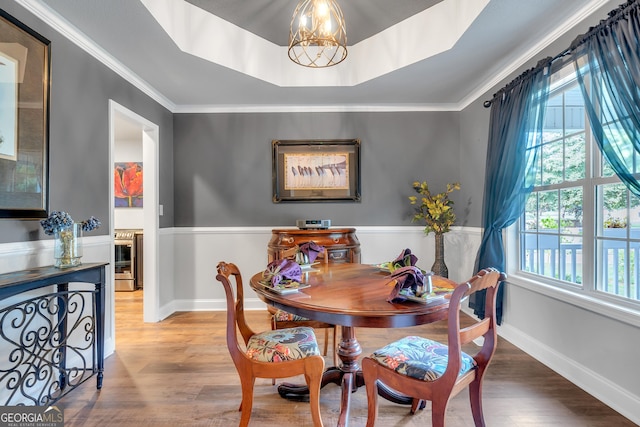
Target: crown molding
x=65 y=28
x=518 y=62
x=221 y=109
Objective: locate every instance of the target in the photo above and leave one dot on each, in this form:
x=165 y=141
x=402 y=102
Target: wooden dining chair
x=281 y=319
x=428 y=370
x=271 y=354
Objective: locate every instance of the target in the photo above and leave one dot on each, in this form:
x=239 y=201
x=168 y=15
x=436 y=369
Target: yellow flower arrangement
x=436 y=210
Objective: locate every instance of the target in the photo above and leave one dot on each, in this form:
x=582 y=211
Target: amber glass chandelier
x=317 y=37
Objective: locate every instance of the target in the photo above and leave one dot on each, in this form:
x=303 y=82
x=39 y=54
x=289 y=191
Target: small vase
x=439 y=267
x=67 y=249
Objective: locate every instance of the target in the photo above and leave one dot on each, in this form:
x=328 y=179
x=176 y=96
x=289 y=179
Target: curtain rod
x=613 y=17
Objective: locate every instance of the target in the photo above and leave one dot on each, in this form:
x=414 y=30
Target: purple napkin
x=282 y=269
x=406 y=258
x=409 y=277
x=311 y=250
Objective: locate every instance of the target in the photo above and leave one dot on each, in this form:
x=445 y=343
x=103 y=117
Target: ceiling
x=126 y=35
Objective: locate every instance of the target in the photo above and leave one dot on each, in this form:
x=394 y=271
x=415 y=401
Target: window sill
x=594 y=304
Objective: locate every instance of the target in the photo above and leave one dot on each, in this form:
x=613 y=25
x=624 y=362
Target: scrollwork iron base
x=50 y=340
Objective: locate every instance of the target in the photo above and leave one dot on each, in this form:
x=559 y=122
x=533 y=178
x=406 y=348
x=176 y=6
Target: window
x=581 y=226
x=618 y=241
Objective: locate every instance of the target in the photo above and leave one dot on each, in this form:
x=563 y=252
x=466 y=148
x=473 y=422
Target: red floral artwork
x=127 y=184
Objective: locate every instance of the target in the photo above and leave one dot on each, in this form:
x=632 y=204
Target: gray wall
x=474 y=133
x=223 y=165
x=79 y=176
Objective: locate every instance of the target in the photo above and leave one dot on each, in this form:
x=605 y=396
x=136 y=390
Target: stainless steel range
x=125 y=260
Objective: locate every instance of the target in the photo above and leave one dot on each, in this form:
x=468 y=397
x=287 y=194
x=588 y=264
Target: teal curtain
x=609 y=55
x=515 y=135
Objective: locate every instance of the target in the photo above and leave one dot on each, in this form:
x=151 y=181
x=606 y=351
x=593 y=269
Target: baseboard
x=619 y=399
x=167 y=310
x=109 y=347
x=206 y=305
x=213 y=305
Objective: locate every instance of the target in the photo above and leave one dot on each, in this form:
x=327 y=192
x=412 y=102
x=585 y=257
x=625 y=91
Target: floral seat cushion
x=283 y=316
x=419 y=358
x=283 y=344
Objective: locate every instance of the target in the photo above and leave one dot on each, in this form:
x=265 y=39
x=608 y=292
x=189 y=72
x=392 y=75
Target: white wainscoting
x=198 y=250
x=25 y=255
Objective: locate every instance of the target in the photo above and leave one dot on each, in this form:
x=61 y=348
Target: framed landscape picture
x=24 y=120
x=316 y=170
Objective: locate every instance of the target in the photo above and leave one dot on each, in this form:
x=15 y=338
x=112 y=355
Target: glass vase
x=439 y=267
x=67 y=249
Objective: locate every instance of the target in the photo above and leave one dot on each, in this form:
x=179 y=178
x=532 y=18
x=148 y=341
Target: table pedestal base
x=336 y=376
x=332 y=375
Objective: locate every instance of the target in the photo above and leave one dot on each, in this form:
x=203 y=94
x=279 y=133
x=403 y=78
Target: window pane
x=613 y=265
x=571 y=259
x=540 y=254
x=634 y=247
x=606 y=168
x=531 y=212
x=571 y=203
x=620 y=272
x=553 y=119
x=625 y=152
x=548 y=211
x=614 y=133
x=614 y=203
x=575 y=157
x=634 y=216
x=529 y=251
x=574 y=117
x=552 y=163
x=618 y=242
x=538 y=179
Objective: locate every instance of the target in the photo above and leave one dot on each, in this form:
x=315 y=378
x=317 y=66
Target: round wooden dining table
x=352 y=295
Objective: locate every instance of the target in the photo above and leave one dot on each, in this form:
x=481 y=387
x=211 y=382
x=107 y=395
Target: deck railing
x=547 y=255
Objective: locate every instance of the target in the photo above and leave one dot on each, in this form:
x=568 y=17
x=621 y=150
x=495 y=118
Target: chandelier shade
x=317 y=37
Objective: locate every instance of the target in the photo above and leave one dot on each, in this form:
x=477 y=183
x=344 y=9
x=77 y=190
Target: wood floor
x=178 y=373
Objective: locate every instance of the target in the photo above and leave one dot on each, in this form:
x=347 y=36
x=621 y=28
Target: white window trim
x=600 y=304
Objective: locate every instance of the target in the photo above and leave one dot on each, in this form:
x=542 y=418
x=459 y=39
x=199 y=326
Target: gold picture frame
x=316 y=170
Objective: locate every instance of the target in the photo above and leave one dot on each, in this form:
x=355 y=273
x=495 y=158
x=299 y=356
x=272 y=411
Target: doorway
x=124 y=123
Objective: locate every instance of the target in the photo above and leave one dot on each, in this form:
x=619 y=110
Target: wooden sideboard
x=341 y=243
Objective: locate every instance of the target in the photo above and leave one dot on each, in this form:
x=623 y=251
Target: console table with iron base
x=51 y=334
